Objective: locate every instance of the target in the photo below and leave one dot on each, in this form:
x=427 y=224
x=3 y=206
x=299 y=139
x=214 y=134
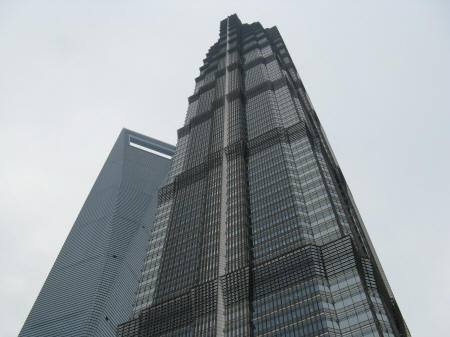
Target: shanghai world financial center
x=256 y=232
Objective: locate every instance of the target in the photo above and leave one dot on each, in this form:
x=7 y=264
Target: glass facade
x=91 y=287
x=256 y=232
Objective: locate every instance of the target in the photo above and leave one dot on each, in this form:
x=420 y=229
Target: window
x=152 y=148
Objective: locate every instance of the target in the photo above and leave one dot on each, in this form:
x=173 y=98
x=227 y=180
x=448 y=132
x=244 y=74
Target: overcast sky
x=73 y=73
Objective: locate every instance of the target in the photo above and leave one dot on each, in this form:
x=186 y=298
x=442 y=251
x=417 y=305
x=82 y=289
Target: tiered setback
x=298 y=259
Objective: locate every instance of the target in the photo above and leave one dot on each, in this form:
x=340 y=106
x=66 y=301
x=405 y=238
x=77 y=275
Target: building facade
x=91 y=287
x=256 y=232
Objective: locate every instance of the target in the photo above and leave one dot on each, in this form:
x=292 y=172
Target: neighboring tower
x=92 y=285
x=256 y=232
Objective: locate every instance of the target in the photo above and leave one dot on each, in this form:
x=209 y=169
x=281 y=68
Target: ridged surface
x=254 y=177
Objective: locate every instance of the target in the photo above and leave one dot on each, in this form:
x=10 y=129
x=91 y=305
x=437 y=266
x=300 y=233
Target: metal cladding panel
x=256 y=233
x=91 y=287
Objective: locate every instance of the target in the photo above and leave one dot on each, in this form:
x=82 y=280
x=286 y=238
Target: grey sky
x=73 y=73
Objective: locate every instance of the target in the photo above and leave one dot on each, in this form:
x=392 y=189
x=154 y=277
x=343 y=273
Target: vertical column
x=220 y=324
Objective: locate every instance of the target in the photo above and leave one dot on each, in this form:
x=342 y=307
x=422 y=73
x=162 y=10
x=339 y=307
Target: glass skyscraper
x=256 y=231
x=91 y=287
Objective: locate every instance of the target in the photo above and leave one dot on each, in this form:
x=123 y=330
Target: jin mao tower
x=256 y=232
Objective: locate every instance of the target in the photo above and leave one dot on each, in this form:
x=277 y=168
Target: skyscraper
x=91 y=287
x=256 y=232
